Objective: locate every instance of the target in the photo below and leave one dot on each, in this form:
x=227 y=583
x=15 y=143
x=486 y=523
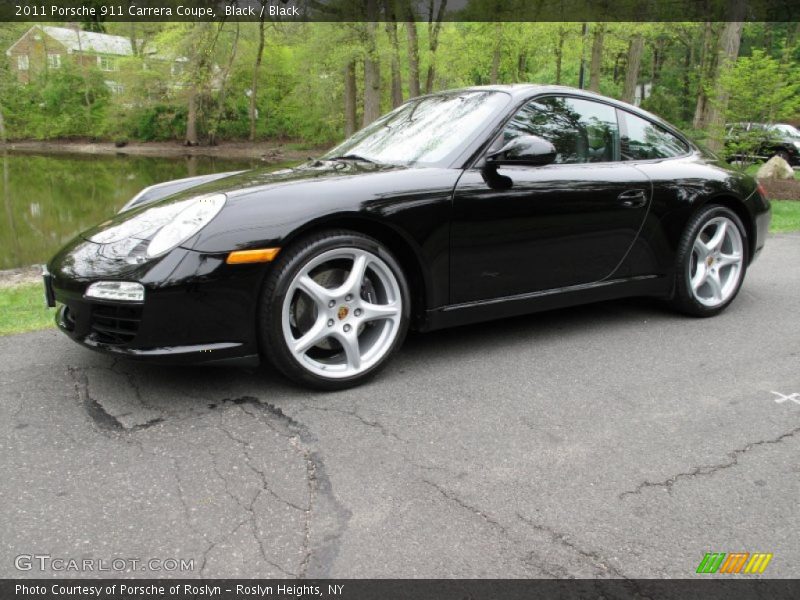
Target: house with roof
x=44 y=47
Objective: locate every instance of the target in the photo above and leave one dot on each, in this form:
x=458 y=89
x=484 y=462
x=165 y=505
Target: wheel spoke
x=311 y=338
x=351 y=347
x=377 y=312
x=715 y=284
x=701 y=250
x=700 y=276
x=715 y=243
x=729 y=259
x=355 y=279
x=318 y=294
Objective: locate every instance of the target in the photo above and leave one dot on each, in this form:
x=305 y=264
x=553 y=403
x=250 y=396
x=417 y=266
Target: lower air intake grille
x=113 y=324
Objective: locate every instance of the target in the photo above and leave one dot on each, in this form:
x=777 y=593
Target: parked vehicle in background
x=762 y=141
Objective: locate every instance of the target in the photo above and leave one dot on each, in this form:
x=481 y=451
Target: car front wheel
x=711 y=264
x=334 y=309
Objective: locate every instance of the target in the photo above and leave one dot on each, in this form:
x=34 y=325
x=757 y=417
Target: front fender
x=161 y=190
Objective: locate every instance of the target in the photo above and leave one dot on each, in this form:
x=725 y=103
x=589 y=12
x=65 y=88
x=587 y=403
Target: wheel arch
x=398 y=244
x=740 y=210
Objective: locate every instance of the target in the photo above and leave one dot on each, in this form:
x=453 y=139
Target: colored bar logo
x=734 y=562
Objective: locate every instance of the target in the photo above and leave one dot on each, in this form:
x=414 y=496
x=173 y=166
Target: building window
x=54 y=61
x=116 y=88
x=105 y=63
x=22 y=62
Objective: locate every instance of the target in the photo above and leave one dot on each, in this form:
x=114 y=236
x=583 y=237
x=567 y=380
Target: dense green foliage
x=301 y=86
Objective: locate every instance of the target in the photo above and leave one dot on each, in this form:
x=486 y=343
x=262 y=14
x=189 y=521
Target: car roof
x=520 y=91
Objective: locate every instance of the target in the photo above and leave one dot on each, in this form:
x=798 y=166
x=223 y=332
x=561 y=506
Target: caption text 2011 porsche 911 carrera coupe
x=456 y=207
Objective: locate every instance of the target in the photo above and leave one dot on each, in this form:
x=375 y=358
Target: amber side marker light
x=240 y=257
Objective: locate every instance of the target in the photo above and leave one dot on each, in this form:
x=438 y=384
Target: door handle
x=633 y=198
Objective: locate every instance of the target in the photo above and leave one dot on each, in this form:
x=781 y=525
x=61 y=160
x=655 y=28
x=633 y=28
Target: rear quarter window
x=644 y=140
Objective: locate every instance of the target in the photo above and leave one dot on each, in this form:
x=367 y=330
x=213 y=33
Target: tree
x=634 y=62
x=251 y=112
x=434 y=28
x=597 y=57
x=372 y=67
x=413 y=51
x=391 y=30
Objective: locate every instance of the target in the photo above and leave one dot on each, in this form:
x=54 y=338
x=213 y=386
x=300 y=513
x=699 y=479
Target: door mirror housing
x=529 y=150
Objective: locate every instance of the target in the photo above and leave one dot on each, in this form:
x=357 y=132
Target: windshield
x=423 y=131
x=786 y=129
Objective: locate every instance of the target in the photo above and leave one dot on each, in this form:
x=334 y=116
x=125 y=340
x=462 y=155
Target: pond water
x=48 y=199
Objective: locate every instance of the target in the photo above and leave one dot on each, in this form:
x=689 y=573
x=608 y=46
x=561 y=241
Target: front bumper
x=197 y=309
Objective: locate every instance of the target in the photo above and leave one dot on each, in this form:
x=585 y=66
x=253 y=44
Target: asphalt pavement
x=611 y=440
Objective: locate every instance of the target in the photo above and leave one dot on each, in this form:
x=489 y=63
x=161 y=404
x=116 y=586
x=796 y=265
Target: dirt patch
x=13 y=277
x=268 y=152
x=781 y=189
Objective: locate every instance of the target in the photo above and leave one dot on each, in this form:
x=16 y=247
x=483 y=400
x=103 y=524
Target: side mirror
x=528 y=150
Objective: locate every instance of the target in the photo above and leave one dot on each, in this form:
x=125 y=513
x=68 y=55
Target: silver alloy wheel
x=716 y=263
x=342 y=313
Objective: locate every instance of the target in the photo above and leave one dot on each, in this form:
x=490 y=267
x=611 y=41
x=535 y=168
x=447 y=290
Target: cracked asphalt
x=612 y=440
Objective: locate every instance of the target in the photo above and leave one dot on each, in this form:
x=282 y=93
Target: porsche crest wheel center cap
x=343 y=312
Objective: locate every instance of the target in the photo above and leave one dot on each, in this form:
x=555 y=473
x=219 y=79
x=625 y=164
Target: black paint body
x=472 y=249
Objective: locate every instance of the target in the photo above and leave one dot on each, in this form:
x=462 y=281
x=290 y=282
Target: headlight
x=125 y=291
x=797 y=145
x=196 y=215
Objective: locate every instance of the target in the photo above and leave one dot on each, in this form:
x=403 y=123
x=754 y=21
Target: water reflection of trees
x=73 y=193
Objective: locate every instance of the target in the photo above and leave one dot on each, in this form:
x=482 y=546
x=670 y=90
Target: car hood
x=263 y=204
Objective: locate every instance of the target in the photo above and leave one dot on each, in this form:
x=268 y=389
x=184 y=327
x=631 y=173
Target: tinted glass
x=645 y=140
x=582 y=131
x=424 y=131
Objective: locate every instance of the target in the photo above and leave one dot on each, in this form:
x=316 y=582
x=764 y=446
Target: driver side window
x=582 y=131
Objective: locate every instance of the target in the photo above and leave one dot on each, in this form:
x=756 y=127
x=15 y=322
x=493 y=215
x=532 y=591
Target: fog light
x=124 y=291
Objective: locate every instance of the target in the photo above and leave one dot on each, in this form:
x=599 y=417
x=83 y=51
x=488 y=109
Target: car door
x=527 y=229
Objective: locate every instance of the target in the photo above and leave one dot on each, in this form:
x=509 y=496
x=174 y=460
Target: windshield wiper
x=352 y=157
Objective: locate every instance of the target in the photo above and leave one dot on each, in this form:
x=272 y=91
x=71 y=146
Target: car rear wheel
x=784 y=155
x=333 y=310
x=712 y=261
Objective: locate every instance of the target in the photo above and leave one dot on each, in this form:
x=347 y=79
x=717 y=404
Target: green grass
x=785 y=216
x=22 y=309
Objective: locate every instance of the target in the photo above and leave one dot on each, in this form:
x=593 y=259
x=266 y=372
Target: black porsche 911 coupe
x=456 y=207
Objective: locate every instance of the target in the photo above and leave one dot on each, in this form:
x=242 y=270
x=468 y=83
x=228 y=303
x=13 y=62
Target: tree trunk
x=687 y=67
x=497 y=53
x=434 y=27
x=728 y=50
x=254 y=86
x=560 y=53
x=372 y=67
x=350 y=92
x=3 y=133
x=134 y=39
x=86 y=93
x=391 y=30
x=632 y=69
x=597 y=57
x=413 y=55
x=706 y=66
x=212 y=134
x=191 y=118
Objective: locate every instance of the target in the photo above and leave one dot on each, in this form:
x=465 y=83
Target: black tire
x=290 y=262
x=784 y=155
x=684 y=298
